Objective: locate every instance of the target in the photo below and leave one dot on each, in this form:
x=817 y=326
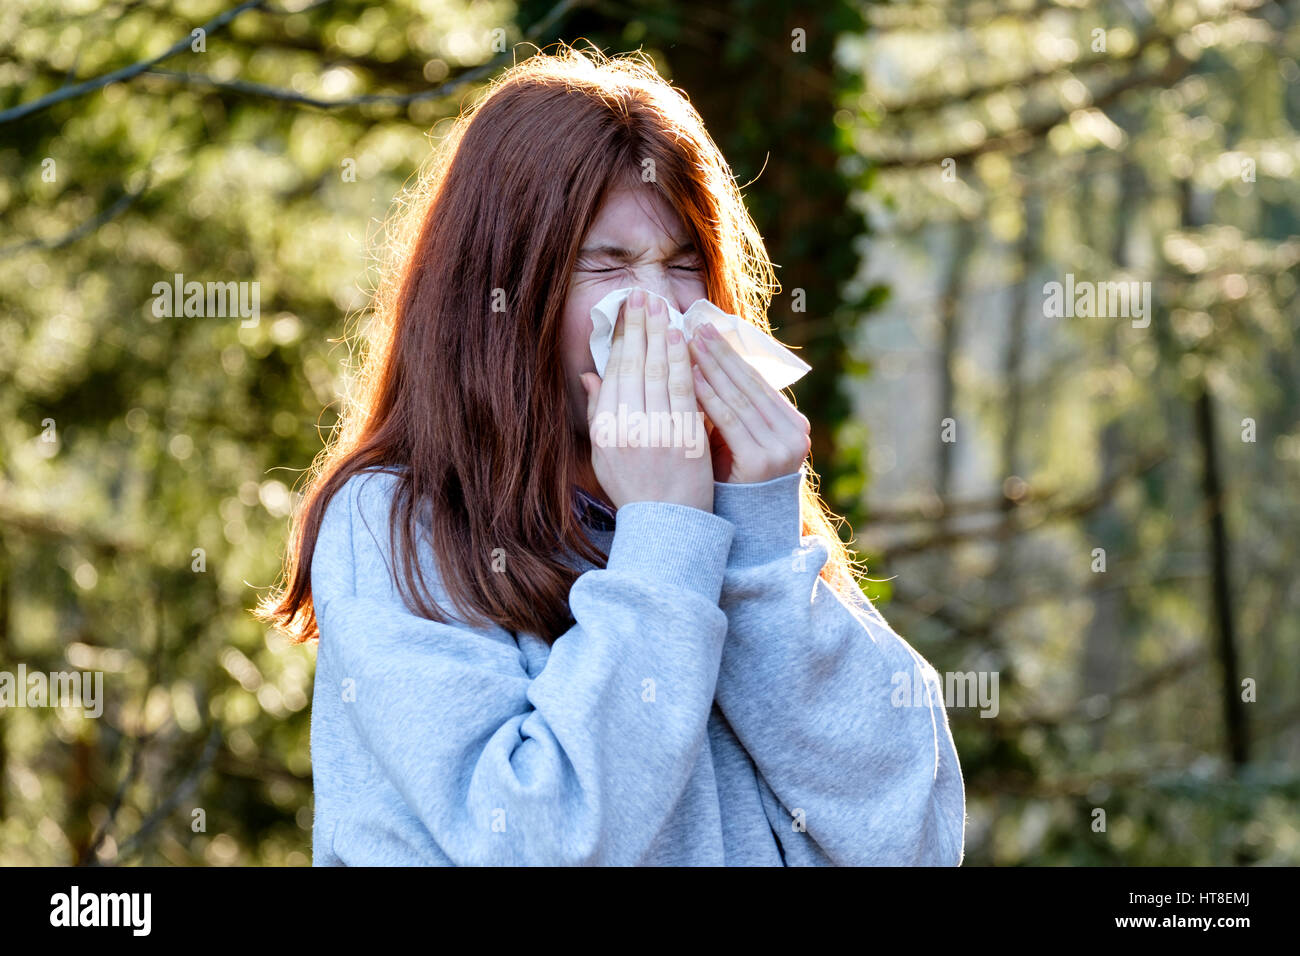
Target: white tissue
x=772 y=360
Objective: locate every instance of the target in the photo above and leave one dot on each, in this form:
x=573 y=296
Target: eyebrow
x=626 y=255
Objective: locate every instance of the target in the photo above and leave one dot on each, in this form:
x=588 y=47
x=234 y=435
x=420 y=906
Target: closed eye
x=620 y=269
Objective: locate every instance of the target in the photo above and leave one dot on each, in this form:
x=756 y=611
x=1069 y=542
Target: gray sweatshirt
x=714 y=703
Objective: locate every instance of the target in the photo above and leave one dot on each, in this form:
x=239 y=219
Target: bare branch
x=125 y=73
x=230 y=765
x=1081 y=713
x=249 y=88
x=1023 y=136
x=1032 y=516
x=179 y=793
x=938 y=101
x=53 y=526
x=119 y=206
x=930 y=17
x=133 y=771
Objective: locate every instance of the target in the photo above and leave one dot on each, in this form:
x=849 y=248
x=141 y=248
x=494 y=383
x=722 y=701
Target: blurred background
x=1097 y=510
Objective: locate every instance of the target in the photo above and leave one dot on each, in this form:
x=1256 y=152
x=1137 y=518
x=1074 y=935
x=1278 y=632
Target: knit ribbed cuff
x=766 y=517
x=675 y=544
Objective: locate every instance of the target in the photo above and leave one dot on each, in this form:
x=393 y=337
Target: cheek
x=577 y=336
x=690 y=288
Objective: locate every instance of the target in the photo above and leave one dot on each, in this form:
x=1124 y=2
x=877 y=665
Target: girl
x=540 y=648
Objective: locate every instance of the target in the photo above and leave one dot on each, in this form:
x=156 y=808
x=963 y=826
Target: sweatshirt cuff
x=766 y=516
x=677 y=545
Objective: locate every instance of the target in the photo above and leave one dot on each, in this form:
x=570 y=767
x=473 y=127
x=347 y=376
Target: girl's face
x=636 y=240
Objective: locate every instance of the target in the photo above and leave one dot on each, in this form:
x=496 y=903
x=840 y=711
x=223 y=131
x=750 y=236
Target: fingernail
x=636 y=299
x=674 y=336
x=710 y=332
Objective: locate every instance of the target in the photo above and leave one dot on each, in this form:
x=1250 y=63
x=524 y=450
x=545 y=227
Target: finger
x=656 y=359
x=725 y=420
x=706 y=356
x=608 y=401
x=771 y=404
x=631 y=370
x=682 y=401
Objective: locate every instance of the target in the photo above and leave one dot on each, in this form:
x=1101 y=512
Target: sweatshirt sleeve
x=844 y=720
x=577 y=764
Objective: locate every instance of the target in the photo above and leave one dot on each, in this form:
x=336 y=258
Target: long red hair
x=461 y=390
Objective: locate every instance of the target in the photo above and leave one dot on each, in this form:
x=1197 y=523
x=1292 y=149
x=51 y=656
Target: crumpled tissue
x=772 y=360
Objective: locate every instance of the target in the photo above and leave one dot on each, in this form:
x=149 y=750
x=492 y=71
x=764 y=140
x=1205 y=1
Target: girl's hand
x=763 y=436
x=648 y=375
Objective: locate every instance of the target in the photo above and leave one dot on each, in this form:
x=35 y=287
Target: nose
x=656 y=281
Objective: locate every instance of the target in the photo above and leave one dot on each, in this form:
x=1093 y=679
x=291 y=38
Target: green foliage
x=149 y=463
x=1001 y=150
x=179 y=433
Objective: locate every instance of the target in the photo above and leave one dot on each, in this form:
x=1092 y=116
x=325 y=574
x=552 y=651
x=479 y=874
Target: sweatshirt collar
x=591 y=511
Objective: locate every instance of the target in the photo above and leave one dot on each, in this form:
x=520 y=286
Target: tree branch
x=1032 y=515
x=179 y=793
x=1020 y=137
x=925 y=104
x=122 y=203
x=51 y=526
x=1077 y=713
x=249 y=88
x=894 y=17
x=126 y=72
